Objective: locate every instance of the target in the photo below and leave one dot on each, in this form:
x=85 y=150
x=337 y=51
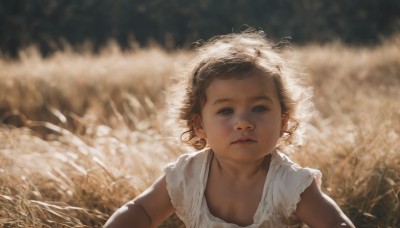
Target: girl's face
x=241 y=118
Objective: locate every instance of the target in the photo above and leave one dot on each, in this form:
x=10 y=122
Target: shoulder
x=184 y=169
x=188 y=162
x=184 y=180
x=290 y=181
x=289 y=171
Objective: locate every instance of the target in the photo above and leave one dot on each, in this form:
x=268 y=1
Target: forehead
x=254 y=85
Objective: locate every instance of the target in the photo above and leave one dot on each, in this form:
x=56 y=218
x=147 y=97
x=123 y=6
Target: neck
x=241 y=171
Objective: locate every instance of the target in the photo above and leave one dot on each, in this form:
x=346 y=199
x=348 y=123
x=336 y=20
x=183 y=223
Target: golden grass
x=81 y=134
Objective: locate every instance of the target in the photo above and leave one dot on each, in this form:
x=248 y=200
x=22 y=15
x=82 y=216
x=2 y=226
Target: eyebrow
x=256 y=98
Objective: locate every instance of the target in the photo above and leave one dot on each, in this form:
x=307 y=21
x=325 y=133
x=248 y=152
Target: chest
x=234 y=202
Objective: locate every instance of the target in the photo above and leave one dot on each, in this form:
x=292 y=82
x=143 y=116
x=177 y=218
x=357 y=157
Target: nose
x=244 y=122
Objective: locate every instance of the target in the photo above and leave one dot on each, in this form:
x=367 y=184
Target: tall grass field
x=82 y=133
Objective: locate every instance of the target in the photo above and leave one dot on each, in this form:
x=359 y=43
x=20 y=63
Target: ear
x=284 y=124
x=198 y=127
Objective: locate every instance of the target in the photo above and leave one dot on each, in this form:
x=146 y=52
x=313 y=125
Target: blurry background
x=51 y=24
x=83 y=85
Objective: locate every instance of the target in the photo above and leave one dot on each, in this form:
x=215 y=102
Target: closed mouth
x=244 y=140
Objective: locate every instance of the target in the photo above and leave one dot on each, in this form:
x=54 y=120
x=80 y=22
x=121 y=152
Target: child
x=242 y=106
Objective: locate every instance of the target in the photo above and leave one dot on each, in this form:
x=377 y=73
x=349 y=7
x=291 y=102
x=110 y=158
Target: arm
x=318 y=210
x=149 y=209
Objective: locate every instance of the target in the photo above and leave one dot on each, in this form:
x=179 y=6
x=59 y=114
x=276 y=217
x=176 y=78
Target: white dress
x=285 y=181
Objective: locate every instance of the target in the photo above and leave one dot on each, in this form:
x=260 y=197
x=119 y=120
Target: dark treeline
x=50 y=24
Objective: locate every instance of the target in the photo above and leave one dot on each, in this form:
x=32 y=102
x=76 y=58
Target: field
x=81 y=134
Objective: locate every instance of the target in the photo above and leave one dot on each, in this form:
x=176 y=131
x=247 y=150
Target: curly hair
x=238 y=55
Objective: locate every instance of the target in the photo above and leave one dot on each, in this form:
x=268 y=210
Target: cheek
x=217 y=127
x=270 y=126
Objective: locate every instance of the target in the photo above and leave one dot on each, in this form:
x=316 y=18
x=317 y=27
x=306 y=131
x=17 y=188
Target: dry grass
x=80 y=134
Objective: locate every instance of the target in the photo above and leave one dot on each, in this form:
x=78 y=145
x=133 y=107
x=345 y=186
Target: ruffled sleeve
x=291 y=181
x=182 y=177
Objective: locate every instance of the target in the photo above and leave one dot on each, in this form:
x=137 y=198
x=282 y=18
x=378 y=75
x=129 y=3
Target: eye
x=260 y=108
x=225 y=111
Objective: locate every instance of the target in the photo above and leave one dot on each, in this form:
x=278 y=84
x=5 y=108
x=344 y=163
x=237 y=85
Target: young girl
x=242 y=106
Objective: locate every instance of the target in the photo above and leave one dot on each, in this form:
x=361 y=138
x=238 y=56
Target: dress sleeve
x=181 y=178
x=292 y=182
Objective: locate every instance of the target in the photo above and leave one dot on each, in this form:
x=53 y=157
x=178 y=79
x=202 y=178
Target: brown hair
x=239 y=55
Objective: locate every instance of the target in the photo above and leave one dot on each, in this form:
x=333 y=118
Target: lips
x=244 y=140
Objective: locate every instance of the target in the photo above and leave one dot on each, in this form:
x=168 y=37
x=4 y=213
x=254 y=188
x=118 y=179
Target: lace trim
x=313 y=174
x=178 y=204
